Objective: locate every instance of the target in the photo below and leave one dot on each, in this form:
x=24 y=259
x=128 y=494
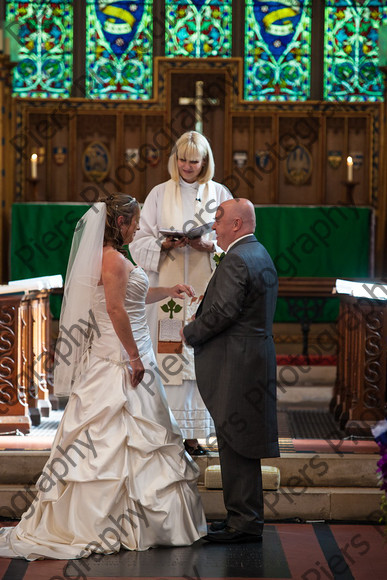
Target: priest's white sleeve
x=146 y=246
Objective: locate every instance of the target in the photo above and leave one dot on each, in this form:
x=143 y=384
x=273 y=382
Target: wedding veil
x=76 y=319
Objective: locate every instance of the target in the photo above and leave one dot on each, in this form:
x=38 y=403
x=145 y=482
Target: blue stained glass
x=277 y=50
x=119 y=49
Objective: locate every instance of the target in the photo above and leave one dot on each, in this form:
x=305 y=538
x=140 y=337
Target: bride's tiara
x=112 y=198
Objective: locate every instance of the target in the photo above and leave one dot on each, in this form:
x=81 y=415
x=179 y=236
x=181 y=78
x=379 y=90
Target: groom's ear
x=237 y=224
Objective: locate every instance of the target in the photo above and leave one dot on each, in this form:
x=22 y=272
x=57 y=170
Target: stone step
x=296 y=469
x=290 y=376
x=305 y=504
x=315 y=469
x=314 y=503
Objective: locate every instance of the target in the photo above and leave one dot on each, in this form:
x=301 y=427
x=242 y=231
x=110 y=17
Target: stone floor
x=310 y=551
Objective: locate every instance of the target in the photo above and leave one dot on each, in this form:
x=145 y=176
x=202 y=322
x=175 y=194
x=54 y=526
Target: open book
x=192 y=233
x=370 y=290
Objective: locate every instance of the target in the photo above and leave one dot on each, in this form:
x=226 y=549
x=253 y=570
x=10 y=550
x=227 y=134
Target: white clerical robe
x=183 y=398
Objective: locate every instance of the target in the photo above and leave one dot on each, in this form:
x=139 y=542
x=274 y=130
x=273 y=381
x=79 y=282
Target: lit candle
x=34 y=166
x=349 y=169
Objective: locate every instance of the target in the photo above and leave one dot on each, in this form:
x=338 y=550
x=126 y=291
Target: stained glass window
x=198 y=28
x=277 y=50
x=119 y=49
x=351 y=50
x=44 y=32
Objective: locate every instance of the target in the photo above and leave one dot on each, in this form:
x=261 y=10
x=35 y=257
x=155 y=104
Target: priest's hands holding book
x=194 y=238
x=198 y=243
x=172 y=242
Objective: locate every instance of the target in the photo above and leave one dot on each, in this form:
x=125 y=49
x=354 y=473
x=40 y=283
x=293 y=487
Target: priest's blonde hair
x=192 y=146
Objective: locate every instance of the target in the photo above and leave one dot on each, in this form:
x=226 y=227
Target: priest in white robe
x=188 y=200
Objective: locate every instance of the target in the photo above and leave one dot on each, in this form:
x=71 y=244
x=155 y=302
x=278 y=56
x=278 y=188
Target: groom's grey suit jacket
x=234 y=350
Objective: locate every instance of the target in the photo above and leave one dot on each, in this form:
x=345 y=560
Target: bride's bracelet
x=133 y=359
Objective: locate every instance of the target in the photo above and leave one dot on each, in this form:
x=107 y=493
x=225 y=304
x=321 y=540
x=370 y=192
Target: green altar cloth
x=329 y=241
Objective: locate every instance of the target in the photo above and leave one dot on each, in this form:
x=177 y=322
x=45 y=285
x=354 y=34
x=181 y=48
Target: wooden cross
x=198 y=101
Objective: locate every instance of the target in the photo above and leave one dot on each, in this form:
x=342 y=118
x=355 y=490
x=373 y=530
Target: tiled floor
x=311 y=551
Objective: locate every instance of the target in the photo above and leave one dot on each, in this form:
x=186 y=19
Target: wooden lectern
x=25 y=358
x=361 y=386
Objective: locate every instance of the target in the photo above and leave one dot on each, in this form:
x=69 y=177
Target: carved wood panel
x=361 y=385
x=24 y=360
x=13 y=393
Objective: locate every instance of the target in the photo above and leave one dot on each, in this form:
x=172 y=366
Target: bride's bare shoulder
x=113 y=260
x=115 y=263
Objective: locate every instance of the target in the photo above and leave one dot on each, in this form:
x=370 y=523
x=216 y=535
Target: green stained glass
x=119 y=49
x=45 y=44
x=198 y=28
x=351 y=50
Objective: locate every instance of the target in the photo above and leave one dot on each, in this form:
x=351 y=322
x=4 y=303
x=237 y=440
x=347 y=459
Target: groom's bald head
x=234 y=218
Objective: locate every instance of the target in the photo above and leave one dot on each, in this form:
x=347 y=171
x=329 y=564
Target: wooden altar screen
x=254 y=143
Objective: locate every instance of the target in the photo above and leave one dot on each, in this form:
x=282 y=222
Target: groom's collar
x=238 y=240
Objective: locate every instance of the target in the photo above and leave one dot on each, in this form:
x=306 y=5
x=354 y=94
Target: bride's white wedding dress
x=117 y=474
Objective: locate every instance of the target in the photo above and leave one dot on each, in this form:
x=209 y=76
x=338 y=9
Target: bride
x=117 y=475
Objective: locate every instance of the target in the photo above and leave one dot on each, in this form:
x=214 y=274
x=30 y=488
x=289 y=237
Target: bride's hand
x=180 y=289
x=137 y=372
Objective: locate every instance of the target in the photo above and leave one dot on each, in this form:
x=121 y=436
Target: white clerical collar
x=238 y=240
x=194 y=185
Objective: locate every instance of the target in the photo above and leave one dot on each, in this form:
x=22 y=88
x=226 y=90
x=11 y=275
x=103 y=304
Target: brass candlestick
x=349 y=187
x=34 y=187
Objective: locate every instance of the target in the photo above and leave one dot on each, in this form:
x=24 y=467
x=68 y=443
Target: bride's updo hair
x=118 y=204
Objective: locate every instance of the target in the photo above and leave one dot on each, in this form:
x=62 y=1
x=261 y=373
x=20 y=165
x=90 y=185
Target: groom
x=236 y=367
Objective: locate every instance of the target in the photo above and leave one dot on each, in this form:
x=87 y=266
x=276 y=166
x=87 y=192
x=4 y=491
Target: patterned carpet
x=312 y=424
